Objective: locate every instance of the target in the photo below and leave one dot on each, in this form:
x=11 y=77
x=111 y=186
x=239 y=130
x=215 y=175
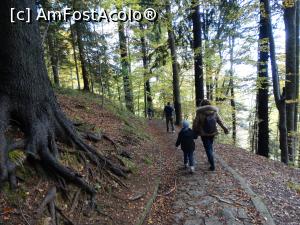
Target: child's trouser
x=188 y=157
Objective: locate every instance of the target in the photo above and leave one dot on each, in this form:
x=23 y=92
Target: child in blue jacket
x=186 y=140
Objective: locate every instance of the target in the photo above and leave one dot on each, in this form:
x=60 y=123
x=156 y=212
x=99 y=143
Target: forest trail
x=206 y=197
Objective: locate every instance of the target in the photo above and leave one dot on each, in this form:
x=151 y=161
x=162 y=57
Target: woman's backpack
x=210 y=123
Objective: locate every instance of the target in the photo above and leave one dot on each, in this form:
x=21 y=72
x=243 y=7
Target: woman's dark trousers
x=208 y=145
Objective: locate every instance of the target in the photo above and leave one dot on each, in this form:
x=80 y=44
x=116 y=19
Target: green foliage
x=148 y=160
x=221 y=20
x=294 y=186
x=129 y=164
x=14 y=197
x=17 y=156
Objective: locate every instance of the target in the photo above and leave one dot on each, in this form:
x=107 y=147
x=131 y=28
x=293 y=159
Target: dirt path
x=206 y=197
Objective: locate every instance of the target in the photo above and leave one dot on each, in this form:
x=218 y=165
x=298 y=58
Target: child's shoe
x=186 y=166
x=192 y=169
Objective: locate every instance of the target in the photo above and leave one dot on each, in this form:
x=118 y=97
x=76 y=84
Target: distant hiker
x=150 y=113
x=168 y=112
x=186 y=141
x=205 y=125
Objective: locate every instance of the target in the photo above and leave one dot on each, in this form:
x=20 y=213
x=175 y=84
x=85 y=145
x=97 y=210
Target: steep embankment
x=115 y=133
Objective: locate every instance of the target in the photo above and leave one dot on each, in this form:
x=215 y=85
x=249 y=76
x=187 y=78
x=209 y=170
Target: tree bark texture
x=279 y=97
x=263 y=87
x=125 y=68
x=290 y=46
x=197 y=45
x=175 y=68
x=232 y=97
x=27 y=99
x=297 y=67
x=147 y=87
x=54 y=58
x=74 y=55
x=85 y=76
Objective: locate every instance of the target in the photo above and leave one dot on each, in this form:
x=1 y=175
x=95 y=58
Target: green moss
x=138 y=132
x=129 y=164
x=148 y=160
x=14 y=196
x=17 y=156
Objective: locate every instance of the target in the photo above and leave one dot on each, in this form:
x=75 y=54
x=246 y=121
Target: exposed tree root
x=50 y=197
x=111 y=141
x=75 y=201
x=92 y=137
x=49 y=201
x=42 y=125
x=66 y=219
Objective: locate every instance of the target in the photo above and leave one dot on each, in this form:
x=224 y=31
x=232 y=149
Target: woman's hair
x=205 y=102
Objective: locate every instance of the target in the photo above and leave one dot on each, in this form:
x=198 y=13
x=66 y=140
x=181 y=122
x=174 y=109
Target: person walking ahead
x=205 y=125
x=168 y=112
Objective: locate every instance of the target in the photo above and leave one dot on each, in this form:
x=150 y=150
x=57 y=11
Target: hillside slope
x=114 y=132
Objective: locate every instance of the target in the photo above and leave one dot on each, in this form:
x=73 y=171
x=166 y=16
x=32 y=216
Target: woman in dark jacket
x=186 y=140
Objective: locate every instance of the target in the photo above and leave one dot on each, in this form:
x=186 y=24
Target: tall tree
x=82 y=57
x=125 y=68
x=79 y=28
x=197 y=47
x=290 y=47
x=262 y=85
x=147 y=87
x=52 y=42
x=175 y=66
x=231 y=86
x=297 y=65
x=74 y=54
x=278 y=95
x=27 y=99
x=54 y=58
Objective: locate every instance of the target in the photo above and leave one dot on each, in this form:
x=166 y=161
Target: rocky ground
x=214 y=198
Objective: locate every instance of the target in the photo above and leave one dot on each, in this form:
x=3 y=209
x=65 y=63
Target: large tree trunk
x=198 y=60
x=263 y=87
x=26 y=97
x=175 y=68
x=279 y=98
x=290 y=46
x=125 y=68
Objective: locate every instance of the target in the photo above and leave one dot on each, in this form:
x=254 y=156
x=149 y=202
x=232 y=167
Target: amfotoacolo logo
x=99 y=15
